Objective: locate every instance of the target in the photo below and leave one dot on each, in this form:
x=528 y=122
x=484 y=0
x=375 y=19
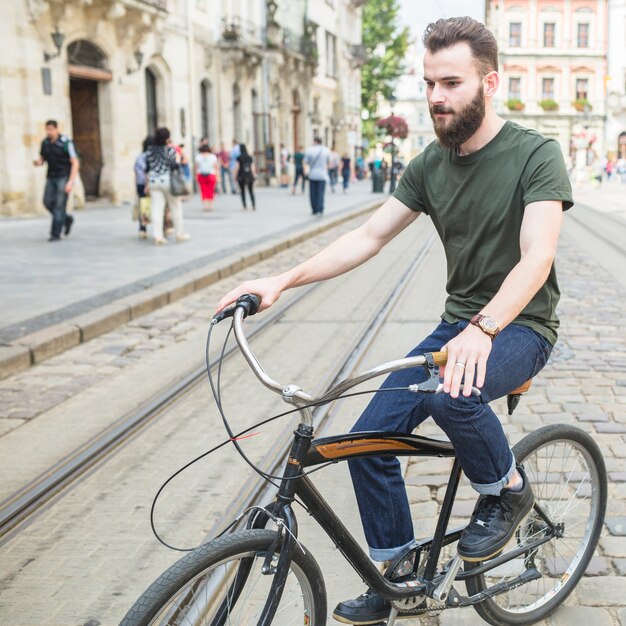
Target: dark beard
x=464 y=123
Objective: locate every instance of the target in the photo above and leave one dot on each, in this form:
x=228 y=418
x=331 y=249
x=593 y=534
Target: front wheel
x=566 y=471
x=221 y=584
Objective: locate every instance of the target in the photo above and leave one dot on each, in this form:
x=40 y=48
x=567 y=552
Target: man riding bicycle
x=495 y=192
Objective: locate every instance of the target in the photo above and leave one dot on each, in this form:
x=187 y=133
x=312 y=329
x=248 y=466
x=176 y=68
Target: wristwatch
x=487 y=324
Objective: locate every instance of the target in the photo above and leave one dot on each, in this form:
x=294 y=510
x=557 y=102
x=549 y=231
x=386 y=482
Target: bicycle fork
x=288 y=527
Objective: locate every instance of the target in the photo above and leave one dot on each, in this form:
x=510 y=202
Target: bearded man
x=496 y=193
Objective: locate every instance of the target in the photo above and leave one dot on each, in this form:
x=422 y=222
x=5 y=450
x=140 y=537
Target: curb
x=36 y=347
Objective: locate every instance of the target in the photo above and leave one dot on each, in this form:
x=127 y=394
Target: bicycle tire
x=191 y=574
x=527 y=452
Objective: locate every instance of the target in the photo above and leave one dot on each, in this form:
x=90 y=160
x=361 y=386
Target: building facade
x=616 y=81
x=258 y=71
x=553 y=68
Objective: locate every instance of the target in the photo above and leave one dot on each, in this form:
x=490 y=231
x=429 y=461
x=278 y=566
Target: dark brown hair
x=445 y=33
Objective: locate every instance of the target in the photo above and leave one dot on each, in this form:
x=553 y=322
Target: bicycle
x=266 y=576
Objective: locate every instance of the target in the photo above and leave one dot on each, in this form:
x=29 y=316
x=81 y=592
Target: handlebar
x=248 y=304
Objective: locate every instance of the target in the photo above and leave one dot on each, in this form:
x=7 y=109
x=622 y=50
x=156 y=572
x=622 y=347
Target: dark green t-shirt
x=476 y=203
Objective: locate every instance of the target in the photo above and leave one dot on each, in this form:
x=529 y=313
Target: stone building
x=616 y=81
x=553 y=65
x=259 y=71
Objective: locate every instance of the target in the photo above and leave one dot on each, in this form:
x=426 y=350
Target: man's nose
x=437 y=96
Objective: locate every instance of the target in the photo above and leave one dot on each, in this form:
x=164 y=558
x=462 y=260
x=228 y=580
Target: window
x=582 y=88
x=515 y=91
x=421 y=119
x=547 y=89
x=548 y=35
x=151 y=100
x=515 y=34
x=237 y=125
x=331 y=57
x=420 y=141
x=583 y=35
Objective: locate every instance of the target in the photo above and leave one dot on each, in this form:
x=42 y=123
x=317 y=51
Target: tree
x=385 y=48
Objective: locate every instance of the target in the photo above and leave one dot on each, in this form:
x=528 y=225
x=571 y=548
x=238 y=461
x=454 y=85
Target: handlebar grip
x=440 y=358
x=249 y=302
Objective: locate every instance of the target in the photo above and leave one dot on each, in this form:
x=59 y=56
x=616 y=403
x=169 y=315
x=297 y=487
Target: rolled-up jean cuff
x=494 y=489
x=388 y=554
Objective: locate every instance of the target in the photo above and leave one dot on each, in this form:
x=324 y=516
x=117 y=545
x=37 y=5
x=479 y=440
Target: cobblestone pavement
x=38 y=390
x=103 y=259
x=570 y=390
x=584 y=383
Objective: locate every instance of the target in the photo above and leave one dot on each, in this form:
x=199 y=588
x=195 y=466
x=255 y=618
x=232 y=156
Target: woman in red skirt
x=206 y=173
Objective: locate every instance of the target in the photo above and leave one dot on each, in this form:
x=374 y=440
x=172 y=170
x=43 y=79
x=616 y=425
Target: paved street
x=86 y=557
x=103 y=259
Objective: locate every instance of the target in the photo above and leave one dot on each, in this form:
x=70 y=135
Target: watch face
x=489 y=323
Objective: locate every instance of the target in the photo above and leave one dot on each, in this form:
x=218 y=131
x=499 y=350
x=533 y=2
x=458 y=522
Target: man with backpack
x=59 y=152
x=316 y=159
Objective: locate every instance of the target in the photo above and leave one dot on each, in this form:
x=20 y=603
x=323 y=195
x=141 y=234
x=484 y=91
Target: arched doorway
x=206 y=109
x=88 y=74
x=621 y=146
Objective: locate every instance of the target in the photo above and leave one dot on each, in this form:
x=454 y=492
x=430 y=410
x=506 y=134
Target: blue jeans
x=225 y=171
x=55 y=200
x=316 y=192
x=518 y=353
x=299 y=175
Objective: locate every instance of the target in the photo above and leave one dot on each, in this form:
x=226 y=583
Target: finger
x=457 y=377
x=470 y=369
x=481 y=371
x=447 y=379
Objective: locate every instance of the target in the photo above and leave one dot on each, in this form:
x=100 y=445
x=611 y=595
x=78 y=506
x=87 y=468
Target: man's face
x=52 y=132
x=455 y=94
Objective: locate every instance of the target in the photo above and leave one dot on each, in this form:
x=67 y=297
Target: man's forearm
x=344 y=254
x=74 y=171
x=518 y=289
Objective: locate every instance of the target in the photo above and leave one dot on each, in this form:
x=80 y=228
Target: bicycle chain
x=402 y=610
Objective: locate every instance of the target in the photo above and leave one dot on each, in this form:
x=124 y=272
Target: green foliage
x=580 y=104
x=549 y=105
x=385 y=47
x=514 y=104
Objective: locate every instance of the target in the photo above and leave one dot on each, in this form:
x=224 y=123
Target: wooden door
x=86 y=127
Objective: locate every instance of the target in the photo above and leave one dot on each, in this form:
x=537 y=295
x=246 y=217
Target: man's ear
x=491 y=82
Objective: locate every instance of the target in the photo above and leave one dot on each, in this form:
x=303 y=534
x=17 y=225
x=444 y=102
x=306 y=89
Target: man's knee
x=443 y=407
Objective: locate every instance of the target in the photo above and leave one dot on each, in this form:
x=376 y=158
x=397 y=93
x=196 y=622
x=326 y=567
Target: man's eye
x=429 y=84
x=453 y=83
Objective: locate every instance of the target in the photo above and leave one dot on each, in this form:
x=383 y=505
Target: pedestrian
x=621 y=169
x=610 y=168
x=161 y=159
x=284 y=166
x=206 y=174
x=140 y=184
x=232 y=163
x=225 y=174
x=496 y=193
x=316 y=159
x=245 y=173
x=333 y=168
x=298 y=161
x=59 y=153
x=346 y=171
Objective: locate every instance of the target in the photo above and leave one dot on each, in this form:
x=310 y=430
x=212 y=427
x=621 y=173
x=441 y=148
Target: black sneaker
x=69 y=220
x=368 y=608
x=494 y=521
x=54 y=238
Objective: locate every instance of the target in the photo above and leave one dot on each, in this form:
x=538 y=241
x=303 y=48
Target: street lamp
x=57 y=39
x=392 y=179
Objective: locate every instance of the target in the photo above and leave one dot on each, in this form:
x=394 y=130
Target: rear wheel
x=221 y=584
x=568 y=477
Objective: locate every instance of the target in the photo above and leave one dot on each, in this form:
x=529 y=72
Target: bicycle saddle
x=513 y=398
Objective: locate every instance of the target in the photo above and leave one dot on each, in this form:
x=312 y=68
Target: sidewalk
x=44 y=283
x=57 y=295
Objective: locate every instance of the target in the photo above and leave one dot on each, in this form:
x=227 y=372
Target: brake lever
x=432 y=384
x=248 y=302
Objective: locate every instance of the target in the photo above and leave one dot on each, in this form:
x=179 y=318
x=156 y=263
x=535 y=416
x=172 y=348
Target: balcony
x=237 y=32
